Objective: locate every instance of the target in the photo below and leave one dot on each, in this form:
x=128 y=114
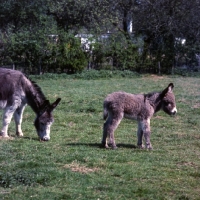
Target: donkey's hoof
x=19 y=134
x=2 y=134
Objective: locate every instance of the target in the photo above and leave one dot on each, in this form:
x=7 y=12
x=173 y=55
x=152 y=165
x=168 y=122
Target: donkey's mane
x=37 y=88
x=35 y=96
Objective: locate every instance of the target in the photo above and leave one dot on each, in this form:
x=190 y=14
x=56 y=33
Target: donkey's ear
x=166 y=90
x=53 y=105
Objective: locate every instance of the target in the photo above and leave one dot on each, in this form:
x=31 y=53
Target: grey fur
x=140 y=107
x=16 y=91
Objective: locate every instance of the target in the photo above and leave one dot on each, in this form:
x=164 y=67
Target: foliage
x=162 y=23
x=25 y=28
x=69 y=56
x=115 y=52
x=89 y=75
x=72 y=166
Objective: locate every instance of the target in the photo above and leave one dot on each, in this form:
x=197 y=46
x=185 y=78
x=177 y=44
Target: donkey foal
x=140 y=107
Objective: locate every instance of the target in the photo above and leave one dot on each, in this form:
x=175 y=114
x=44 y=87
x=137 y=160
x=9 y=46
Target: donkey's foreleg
x=146 y=131
x=7 y=116
x=18 y=120
x=140 y=135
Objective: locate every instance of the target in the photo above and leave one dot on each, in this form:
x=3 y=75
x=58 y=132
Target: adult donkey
x=140 y=107
x=16 y=90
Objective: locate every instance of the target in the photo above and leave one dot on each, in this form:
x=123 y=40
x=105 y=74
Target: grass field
x=72 y=166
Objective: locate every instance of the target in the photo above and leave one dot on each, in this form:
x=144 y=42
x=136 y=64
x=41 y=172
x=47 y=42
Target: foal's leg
x=140 y=135
x=7 y=116
x=18 y=120
x=109 y=127
x=146 y=131
x=105 y=132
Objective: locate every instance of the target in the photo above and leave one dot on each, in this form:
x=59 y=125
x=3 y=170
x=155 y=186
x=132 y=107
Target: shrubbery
x=89 y=74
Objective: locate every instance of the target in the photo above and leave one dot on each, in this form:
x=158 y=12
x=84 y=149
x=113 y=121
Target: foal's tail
x=105 y=110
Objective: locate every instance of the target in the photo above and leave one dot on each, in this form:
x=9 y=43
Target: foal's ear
x=168 y=89
x=53 y=105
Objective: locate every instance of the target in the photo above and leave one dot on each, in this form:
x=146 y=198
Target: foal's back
x=131 y=105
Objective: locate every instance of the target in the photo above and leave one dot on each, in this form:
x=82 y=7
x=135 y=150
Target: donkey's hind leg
x=18 y=120
x=7 y=116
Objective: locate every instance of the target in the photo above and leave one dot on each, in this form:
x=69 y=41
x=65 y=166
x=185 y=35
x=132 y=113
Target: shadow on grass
x=98 y=145
x=31 y=138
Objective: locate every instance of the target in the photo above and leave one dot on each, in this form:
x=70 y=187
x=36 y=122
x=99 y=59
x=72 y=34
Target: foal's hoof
x=150 y=148
x=140 y=146
x=112 y=146
x=104 y=145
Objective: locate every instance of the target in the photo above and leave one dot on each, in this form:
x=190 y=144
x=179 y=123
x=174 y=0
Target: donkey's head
x=45 y=119
x=168 y=100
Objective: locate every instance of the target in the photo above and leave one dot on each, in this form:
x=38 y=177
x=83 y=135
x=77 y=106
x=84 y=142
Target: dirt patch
x=196 y=105
x=76 y=167
x=156 y=77
x=187 y=164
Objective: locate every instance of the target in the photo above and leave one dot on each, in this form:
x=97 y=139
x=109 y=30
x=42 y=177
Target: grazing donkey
x=16 y=90
x=140 y=107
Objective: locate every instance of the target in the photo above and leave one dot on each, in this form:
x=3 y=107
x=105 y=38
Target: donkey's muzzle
x=174 y=111
x=44 y=139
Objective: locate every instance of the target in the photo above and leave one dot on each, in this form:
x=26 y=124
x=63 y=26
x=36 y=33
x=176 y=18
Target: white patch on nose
x=47 y=136
x=174 y=110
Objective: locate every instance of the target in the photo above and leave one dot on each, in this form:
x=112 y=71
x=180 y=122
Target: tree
x=161 y=22
x=73 y=15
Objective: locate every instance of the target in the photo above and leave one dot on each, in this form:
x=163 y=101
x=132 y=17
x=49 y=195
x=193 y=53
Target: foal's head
x=45 y=119
x=168 y=100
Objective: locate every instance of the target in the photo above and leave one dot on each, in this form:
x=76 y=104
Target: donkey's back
x=11 y=90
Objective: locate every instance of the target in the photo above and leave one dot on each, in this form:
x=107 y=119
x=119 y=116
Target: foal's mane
x=149 y=95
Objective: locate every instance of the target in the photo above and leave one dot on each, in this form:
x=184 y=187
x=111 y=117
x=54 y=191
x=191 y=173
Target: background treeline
x=136 y=35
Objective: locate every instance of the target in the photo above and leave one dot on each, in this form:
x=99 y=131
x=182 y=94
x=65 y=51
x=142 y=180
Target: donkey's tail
x=105 y=111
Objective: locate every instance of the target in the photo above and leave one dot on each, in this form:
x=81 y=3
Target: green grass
x=72 y=166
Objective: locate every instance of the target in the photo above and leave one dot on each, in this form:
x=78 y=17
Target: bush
x=70 y=57
x=89 y=75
